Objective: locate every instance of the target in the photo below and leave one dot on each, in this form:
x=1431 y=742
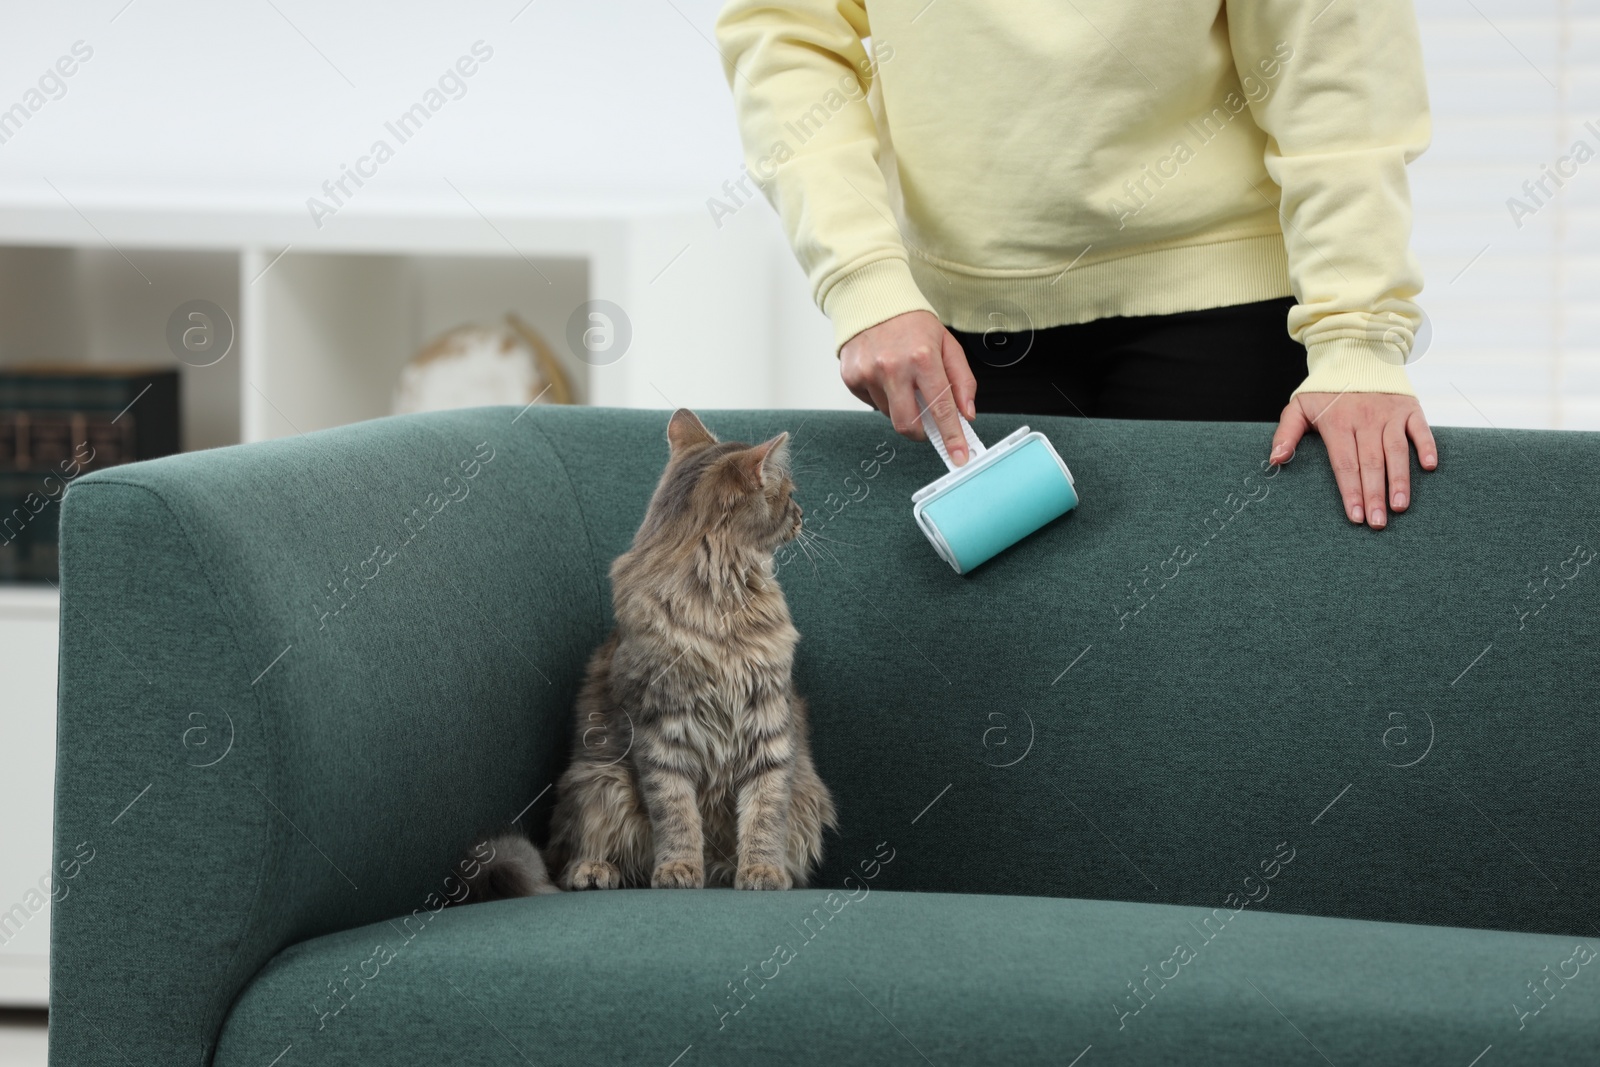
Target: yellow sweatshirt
x=1032 y=163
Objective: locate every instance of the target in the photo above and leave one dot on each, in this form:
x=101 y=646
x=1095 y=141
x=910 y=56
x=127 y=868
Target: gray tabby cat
x=691 y=763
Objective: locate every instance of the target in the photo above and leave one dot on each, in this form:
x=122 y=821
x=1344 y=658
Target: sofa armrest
x=296 y=677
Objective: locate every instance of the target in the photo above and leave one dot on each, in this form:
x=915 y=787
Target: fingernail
x=1355 y=514
x=1431 y=460
x=1377 y=518
x=1399 y=501
x=958 y=456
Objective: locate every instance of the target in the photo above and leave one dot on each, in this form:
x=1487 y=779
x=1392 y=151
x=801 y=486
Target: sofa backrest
x=1202 y=669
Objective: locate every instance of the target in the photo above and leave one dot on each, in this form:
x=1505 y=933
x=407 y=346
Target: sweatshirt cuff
x=869 y=295
x=1346 y=365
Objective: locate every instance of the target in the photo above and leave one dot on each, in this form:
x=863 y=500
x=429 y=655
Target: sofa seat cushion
x=877 y=977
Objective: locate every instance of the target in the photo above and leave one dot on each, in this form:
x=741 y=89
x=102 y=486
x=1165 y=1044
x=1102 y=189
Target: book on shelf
x=58 y=422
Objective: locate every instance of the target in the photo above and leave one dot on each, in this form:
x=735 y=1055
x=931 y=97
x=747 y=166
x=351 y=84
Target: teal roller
x=1003 y=494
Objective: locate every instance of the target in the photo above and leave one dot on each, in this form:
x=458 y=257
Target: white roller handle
x=974 y=446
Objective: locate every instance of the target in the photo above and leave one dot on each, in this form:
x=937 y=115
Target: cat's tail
x=503 y=867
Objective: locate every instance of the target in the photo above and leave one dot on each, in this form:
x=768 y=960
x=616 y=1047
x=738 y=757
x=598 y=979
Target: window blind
x=1507 y=207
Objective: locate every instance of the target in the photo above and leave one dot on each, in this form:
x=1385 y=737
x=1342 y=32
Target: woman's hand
x=883 y=364
x=1369 y=438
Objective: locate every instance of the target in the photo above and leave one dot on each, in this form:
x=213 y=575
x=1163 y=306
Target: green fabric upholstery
x=956 y=978
x=1140 y=704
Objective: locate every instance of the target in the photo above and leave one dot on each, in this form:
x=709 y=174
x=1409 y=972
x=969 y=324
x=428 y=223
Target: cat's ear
x=767 y=461
x=685 y=431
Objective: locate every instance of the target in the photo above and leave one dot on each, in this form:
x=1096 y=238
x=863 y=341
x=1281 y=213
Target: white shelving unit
x=324 y=320
x=28 y=627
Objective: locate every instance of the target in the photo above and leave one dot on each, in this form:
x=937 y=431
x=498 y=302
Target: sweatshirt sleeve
x=799 y=71
x=1347 y=112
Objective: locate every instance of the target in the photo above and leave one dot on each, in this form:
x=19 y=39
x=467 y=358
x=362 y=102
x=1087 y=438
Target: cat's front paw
x=593 y=874
x=762 y=876
x=678 y=874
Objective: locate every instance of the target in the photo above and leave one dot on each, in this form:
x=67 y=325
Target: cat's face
x=741 y=493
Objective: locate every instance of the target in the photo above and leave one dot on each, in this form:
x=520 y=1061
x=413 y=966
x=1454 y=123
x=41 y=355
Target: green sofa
x=1201 y=774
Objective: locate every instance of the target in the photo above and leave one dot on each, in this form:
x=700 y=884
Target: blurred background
x=576 y=166
x=586 y=159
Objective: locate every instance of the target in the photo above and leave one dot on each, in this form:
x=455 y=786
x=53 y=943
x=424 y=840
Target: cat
x=691 y=760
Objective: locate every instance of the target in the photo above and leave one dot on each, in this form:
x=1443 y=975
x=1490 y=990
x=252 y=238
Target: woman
x=1191 y=209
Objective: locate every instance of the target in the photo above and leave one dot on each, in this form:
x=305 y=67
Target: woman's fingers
x=1368 y=437
x=963 y=386
x=1369 y=453
x=902 y=409
x=936 y=393
x=1422 y=436
x=862 y=392
x=1397 y=456
x=893 y=360
x=1341 y=446
x=1292 y=426
x=877 y=397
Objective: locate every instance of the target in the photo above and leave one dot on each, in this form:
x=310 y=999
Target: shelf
x=88 y=305
x=324 y=319
x=453 y=222
x=28 y=649
x=26 y=602
x=325 y=335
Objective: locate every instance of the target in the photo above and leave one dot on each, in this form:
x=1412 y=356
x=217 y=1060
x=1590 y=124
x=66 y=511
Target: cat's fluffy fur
x=691 y=763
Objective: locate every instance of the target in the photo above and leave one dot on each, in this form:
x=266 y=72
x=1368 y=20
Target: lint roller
x=1003 y=494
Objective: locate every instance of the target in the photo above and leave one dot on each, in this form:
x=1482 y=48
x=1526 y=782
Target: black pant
x=1227 y=364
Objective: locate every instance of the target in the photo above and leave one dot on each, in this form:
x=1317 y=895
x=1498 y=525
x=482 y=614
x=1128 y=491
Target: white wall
x=579 y=99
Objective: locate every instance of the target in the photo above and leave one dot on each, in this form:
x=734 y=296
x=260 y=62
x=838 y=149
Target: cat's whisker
x=832 y=540
x=802 y=546
x=823 y=549
x=815 y=539
x=801 y=543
